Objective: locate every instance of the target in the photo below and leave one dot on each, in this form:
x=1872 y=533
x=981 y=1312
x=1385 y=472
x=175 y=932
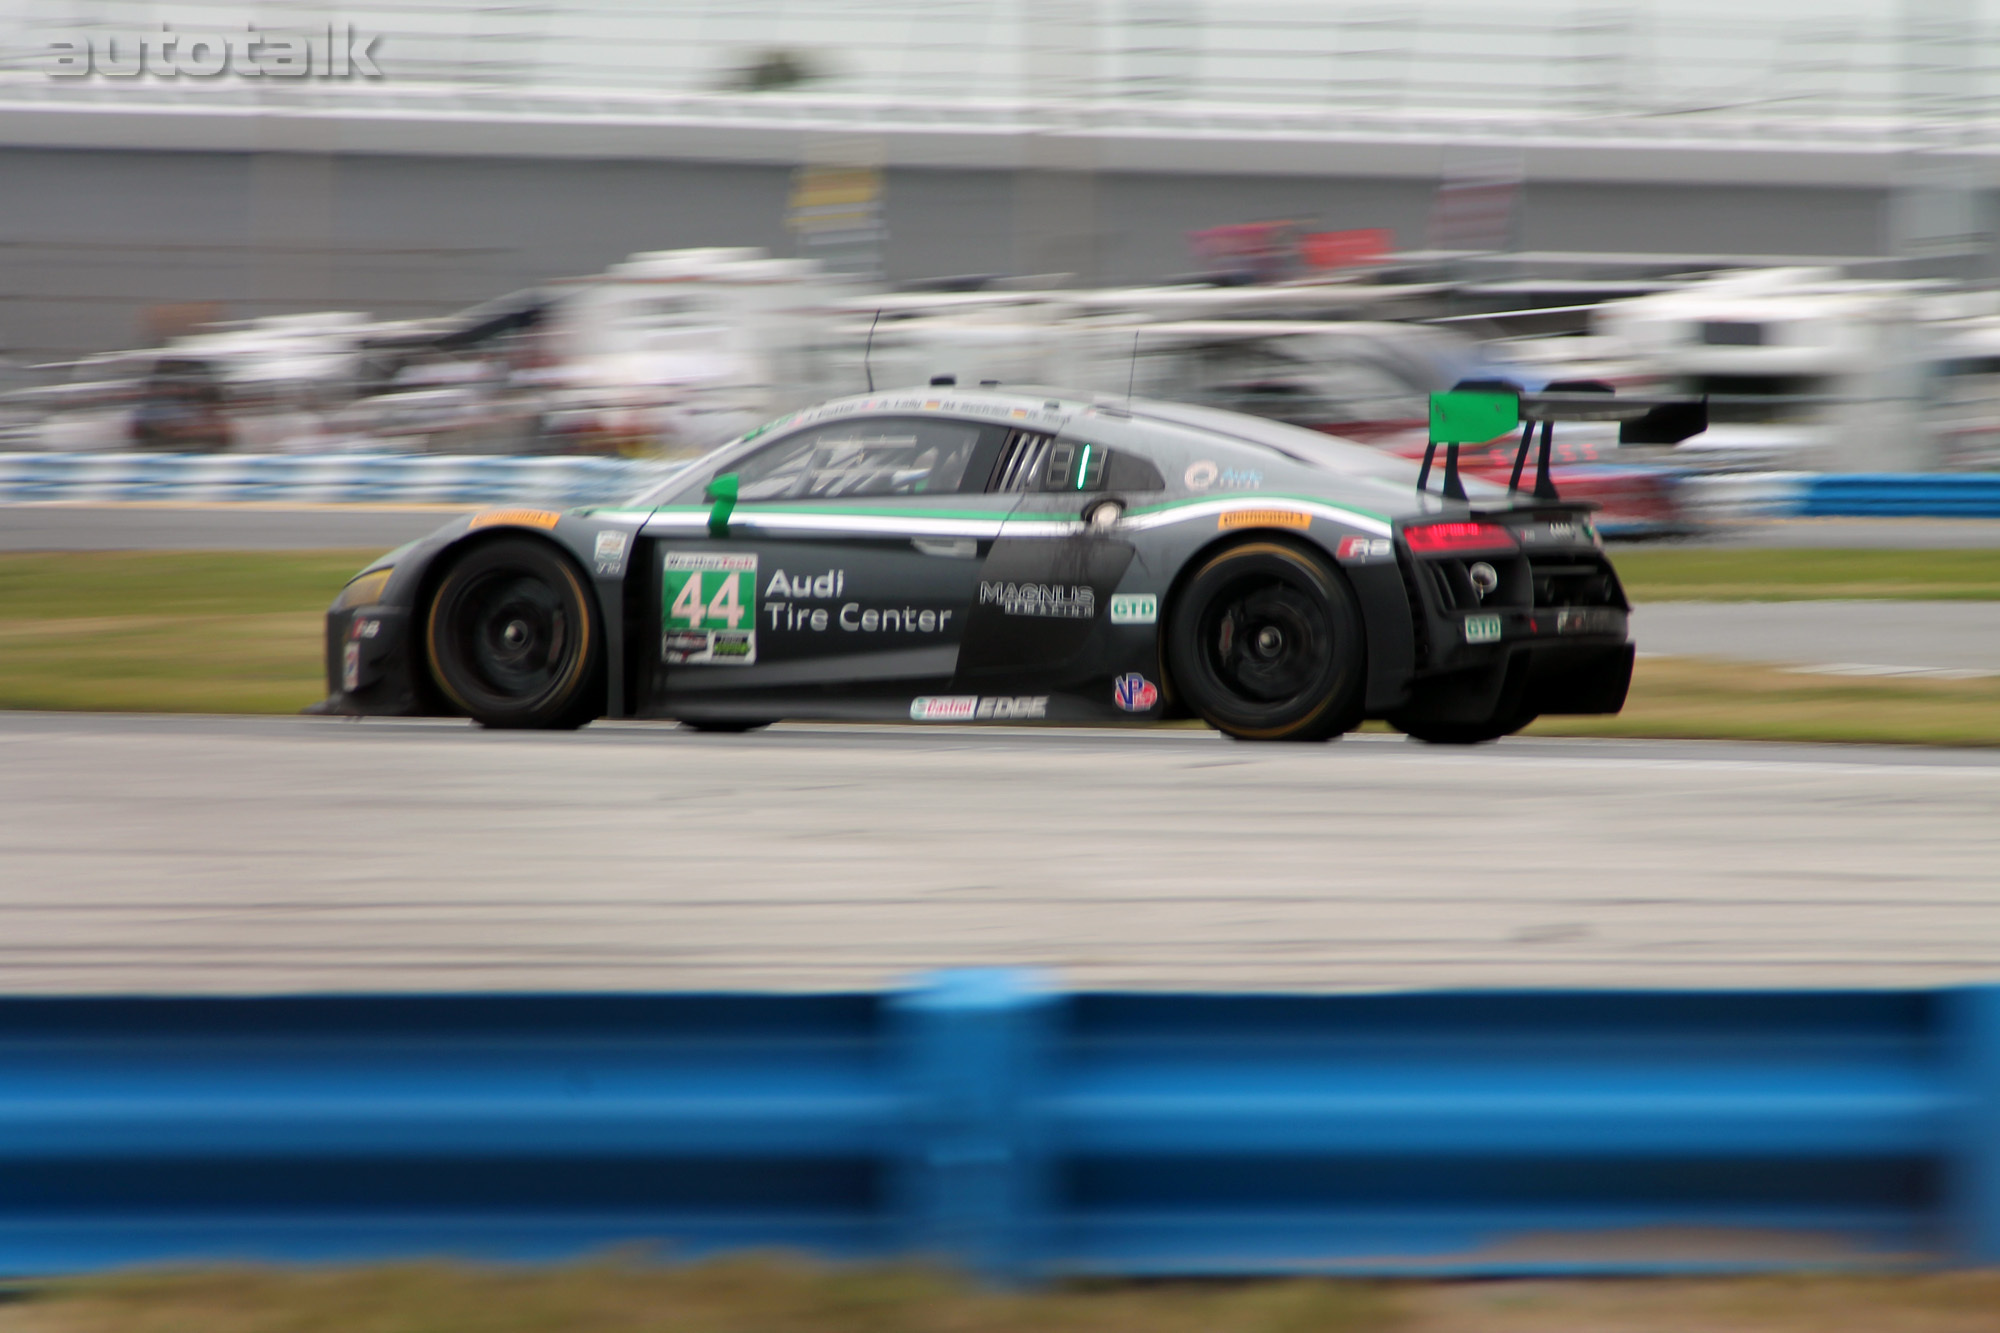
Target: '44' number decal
x=726 y=607
x=708 y=608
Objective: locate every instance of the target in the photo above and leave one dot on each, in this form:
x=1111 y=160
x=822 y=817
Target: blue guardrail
x=323 y=478
x=1020 y=1131
x=1901 y=495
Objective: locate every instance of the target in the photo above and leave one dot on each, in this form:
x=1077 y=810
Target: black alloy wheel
x=513 y=637
x=1266 y=643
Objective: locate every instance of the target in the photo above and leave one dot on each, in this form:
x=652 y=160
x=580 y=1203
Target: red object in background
x=1258 y=251
x=1346 y=249
x=1634 y=499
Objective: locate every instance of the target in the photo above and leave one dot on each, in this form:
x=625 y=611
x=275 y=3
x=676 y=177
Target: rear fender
x=1377 y=585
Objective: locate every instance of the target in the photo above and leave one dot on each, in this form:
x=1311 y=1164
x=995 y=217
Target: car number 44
x=1482 y=629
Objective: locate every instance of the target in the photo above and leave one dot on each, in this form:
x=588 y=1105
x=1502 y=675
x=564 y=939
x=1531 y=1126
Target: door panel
x=830 y=611
x=864 y=557
x=1042 y=595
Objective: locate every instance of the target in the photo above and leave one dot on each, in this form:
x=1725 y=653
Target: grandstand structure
x=507 y=141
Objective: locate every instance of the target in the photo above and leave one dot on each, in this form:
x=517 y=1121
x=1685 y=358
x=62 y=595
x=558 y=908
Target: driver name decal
x=708 y=607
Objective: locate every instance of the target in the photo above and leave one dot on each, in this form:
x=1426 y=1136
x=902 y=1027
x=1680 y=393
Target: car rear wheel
x=513 y=637
x=1265 y=643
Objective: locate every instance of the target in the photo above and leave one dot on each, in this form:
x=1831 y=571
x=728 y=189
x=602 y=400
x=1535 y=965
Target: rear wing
x=1475 y=411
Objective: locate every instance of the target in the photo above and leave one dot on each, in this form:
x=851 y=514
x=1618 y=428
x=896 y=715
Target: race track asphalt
x=287 y=854
x=1870 y=636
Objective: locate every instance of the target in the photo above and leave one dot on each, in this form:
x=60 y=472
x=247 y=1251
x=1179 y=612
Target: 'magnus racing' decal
x=1058 y=601
x=708 y=604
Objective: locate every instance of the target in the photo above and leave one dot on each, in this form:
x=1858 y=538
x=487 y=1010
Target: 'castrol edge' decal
x=978 y=708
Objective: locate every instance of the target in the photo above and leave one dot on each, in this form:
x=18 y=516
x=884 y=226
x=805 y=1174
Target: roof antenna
x=1132 y=367
x=869 y=350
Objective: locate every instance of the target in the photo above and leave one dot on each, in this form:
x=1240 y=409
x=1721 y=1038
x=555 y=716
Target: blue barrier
x=324 y=478
x=1022 y=1132
x=1901 y=495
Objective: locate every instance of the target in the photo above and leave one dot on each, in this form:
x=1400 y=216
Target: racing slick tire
x=1461 y=733
x=513 y=638
x=1266 y=644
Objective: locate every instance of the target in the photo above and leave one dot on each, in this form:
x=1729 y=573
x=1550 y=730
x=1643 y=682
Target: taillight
x=1430 y=538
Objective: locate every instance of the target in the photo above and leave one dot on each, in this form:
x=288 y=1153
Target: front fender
x=599 y=541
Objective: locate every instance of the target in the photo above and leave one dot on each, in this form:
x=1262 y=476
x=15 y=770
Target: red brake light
x=1433 y=537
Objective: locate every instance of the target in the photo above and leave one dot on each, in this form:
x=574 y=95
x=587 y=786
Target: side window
x=867 y=456
x=1035 y=462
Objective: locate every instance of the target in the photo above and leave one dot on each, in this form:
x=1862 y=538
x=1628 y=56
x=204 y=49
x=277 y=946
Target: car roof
x=1033 y=407
x=1036 y=407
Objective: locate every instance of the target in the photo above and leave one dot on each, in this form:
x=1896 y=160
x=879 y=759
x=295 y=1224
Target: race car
x=947 y=555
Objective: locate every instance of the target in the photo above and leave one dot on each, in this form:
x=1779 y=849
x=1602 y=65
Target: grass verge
x=167 y=631
x=1674 y=574
x=761 y=1295
x=1691 y=698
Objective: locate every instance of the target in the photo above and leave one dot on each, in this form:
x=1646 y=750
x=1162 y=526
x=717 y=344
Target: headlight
x=363 y=590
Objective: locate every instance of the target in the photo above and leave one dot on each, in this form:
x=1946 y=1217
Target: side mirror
x=721 y=494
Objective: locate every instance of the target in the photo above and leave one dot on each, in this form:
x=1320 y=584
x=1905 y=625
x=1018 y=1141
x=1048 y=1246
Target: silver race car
x=964 y=556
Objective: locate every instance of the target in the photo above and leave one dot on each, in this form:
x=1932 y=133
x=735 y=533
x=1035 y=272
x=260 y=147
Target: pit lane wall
x=472 y=479
x=1023 y=1131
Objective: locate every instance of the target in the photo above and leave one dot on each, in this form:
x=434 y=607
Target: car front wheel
x=513 y=637
x=1265 y=643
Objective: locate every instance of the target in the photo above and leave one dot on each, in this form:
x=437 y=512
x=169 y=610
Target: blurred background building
x=505 y=143
x=552 y=227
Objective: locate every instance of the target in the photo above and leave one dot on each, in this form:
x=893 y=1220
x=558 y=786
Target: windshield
x=703 y=467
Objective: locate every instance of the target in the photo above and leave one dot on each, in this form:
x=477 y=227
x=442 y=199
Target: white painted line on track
x=1877 y=669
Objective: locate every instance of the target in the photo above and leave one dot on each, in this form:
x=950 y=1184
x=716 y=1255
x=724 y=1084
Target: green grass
x=749 y=1295
x=231 y=632
x=91 y=584
x=1695 y=698
x=1695 y=575
x=765 y=1295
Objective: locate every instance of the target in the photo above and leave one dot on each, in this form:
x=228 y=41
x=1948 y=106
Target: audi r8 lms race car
x=962 y=556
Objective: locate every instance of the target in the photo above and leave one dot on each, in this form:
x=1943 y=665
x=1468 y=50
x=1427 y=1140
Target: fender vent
x=1021 y=458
